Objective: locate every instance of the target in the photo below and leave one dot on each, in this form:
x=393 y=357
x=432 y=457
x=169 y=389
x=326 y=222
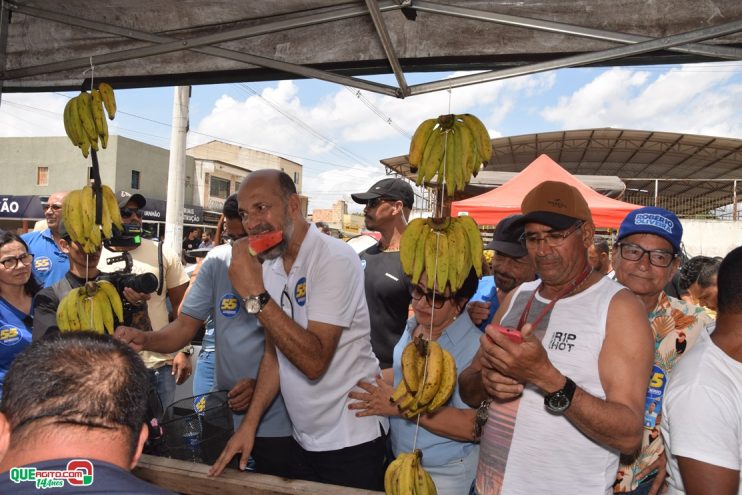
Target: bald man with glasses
x=50 y=262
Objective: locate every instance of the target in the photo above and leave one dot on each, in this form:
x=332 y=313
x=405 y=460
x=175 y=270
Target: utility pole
x=176 y=170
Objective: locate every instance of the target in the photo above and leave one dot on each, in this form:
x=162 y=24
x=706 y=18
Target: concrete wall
x=711 y=238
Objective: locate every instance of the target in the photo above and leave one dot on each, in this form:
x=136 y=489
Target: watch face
x=558 y=402
x=253 y=306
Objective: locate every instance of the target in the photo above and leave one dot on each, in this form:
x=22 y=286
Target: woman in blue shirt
x=446 y=437
x=17 y=288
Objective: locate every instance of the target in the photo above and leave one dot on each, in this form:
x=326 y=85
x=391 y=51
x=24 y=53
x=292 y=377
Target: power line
x=358 y=94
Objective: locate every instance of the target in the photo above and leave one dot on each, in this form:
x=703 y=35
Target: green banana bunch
x=453 y=147
x=84 y=119
x=444 y=248
x=406 y=475
x=78 y=213
x=91 y=307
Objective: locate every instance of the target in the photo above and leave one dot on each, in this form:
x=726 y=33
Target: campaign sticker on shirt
x=300 y=291
x=363 y=264
x=229 y=305
x=9 y=335
x=653 y=402
x=42 y=264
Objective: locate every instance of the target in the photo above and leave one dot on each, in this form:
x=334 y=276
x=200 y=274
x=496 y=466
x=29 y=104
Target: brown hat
x=555 y=204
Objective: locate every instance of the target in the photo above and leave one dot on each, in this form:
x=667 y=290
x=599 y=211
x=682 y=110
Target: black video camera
x=131 y=236
x=146 y=283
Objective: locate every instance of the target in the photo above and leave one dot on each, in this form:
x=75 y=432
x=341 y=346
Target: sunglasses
x=128 y=212
x=373 y=203
x=54 y=206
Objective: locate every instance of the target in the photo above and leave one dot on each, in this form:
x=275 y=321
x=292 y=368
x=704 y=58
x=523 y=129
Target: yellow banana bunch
x=84 y=119
x=406 y=475
x=428 y=378
x=95 y=306
x=78 y=213
x=453 y=147
x=444 y=248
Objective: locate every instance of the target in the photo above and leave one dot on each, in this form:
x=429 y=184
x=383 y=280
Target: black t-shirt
x=107 y=479
x=188 y=245
x=388 y=298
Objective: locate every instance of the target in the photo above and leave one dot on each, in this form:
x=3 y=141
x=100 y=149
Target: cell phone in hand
x=513 y=334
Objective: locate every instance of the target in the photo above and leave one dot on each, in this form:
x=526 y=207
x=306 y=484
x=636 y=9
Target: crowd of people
x=624 y=376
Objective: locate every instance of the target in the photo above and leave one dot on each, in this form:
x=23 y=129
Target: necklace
x=576 y=284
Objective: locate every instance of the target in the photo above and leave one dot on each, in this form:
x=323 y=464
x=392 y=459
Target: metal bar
x=4 y=26
x=563 y=28
x=582 y=59
x=169 y=44
x=734 y=201
x=386 y=43
x=656 y=190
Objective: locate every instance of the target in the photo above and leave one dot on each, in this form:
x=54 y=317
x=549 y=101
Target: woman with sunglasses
x=17 y=289
x=446 y=437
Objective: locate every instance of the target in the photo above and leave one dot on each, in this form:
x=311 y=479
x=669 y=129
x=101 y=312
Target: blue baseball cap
x=653 y=220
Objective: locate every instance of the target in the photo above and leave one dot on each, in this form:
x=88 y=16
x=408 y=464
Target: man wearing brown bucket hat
x=564 y=387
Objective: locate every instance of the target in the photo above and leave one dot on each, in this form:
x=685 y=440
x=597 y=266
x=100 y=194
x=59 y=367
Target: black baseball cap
x=396 y=189
x=506 y=238
x=125 y=197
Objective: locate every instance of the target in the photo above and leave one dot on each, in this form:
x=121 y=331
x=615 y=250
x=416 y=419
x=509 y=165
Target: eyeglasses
x=657 y=257
x=552 y=239
x=417 y=293
x=128 y=212
x=12 y=262
x=373 y=203
x=53 y=206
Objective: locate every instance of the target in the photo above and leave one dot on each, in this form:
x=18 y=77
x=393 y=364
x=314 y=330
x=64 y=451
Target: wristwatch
x=255 y=304
x=187 y=350
x=559 y=401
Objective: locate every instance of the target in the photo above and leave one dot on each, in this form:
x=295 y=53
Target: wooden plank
x=192 y=479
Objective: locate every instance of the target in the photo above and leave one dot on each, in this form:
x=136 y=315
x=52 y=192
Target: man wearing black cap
x=388 y=205
x=511 y=266
x=165 y=369
x=569 y=397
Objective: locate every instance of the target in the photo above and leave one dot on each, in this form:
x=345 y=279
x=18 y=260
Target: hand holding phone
x=511 y=333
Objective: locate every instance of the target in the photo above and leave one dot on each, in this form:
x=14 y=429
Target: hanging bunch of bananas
x=444 y=248
x=78 y=213
x=429 y=378
x=91 y=307
x=84 y=120
x=452 y=146
x=406 y=475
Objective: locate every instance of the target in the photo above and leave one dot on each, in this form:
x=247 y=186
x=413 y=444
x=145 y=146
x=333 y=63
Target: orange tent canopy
x=492 y=206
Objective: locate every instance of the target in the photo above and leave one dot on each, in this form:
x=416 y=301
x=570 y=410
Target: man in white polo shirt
x=309 y=297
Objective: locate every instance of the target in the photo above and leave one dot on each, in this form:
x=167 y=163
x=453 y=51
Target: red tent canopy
x=490 y=207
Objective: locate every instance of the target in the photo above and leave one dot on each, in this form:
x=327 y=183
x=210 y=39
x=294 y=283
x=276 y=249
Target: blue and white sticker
x=229 y=306
x=363 y=264
x=300 y=291
x=42 y=264
x=9 y=335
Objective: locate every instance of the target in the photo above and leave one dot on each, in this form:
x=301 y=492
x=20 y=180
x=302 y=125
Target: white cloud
x=32 y=114
x=695 y=99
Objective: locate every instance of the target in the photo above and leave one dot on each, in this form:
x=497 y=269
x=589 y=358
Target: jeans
x=456 y=477
x=163 y=381
x=203 y=378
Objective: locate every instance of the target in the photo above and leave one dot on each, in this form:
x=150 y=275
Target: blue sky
x=339 y=138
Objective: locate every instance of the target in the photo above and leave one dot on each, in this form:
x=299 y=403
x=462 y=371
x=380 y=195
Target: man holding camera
x=147 y=256
x=83 y=268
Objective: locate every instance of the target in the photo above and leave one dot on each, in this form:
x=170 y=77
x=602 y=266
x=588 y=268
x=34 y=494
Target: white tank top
x=524 y=448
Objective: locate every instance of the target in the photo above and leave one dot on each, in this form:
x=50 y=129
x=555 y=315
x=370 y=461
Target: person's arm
x=624 y=366
x=310 y=349
x=701 y=478
x=172 y=337
x=176 y=295
x=266 y=389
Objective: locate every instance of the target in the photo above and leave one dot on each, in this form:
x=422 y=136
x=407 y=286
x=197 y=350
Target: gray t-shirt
x=239 y=341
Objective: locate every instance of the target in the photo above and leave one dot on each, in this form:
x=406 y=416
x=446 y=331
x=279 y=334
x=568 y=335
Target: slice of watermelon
x=261 y=242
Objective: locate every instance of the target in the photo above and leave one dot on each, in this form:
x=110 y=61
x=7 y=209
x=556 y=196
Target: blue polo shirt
x=49 y=262
x=461 y=339
x=15 y=335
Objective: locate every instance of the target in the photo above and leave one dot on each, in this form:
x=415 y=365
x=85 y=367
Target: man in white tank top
x=563 y=403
